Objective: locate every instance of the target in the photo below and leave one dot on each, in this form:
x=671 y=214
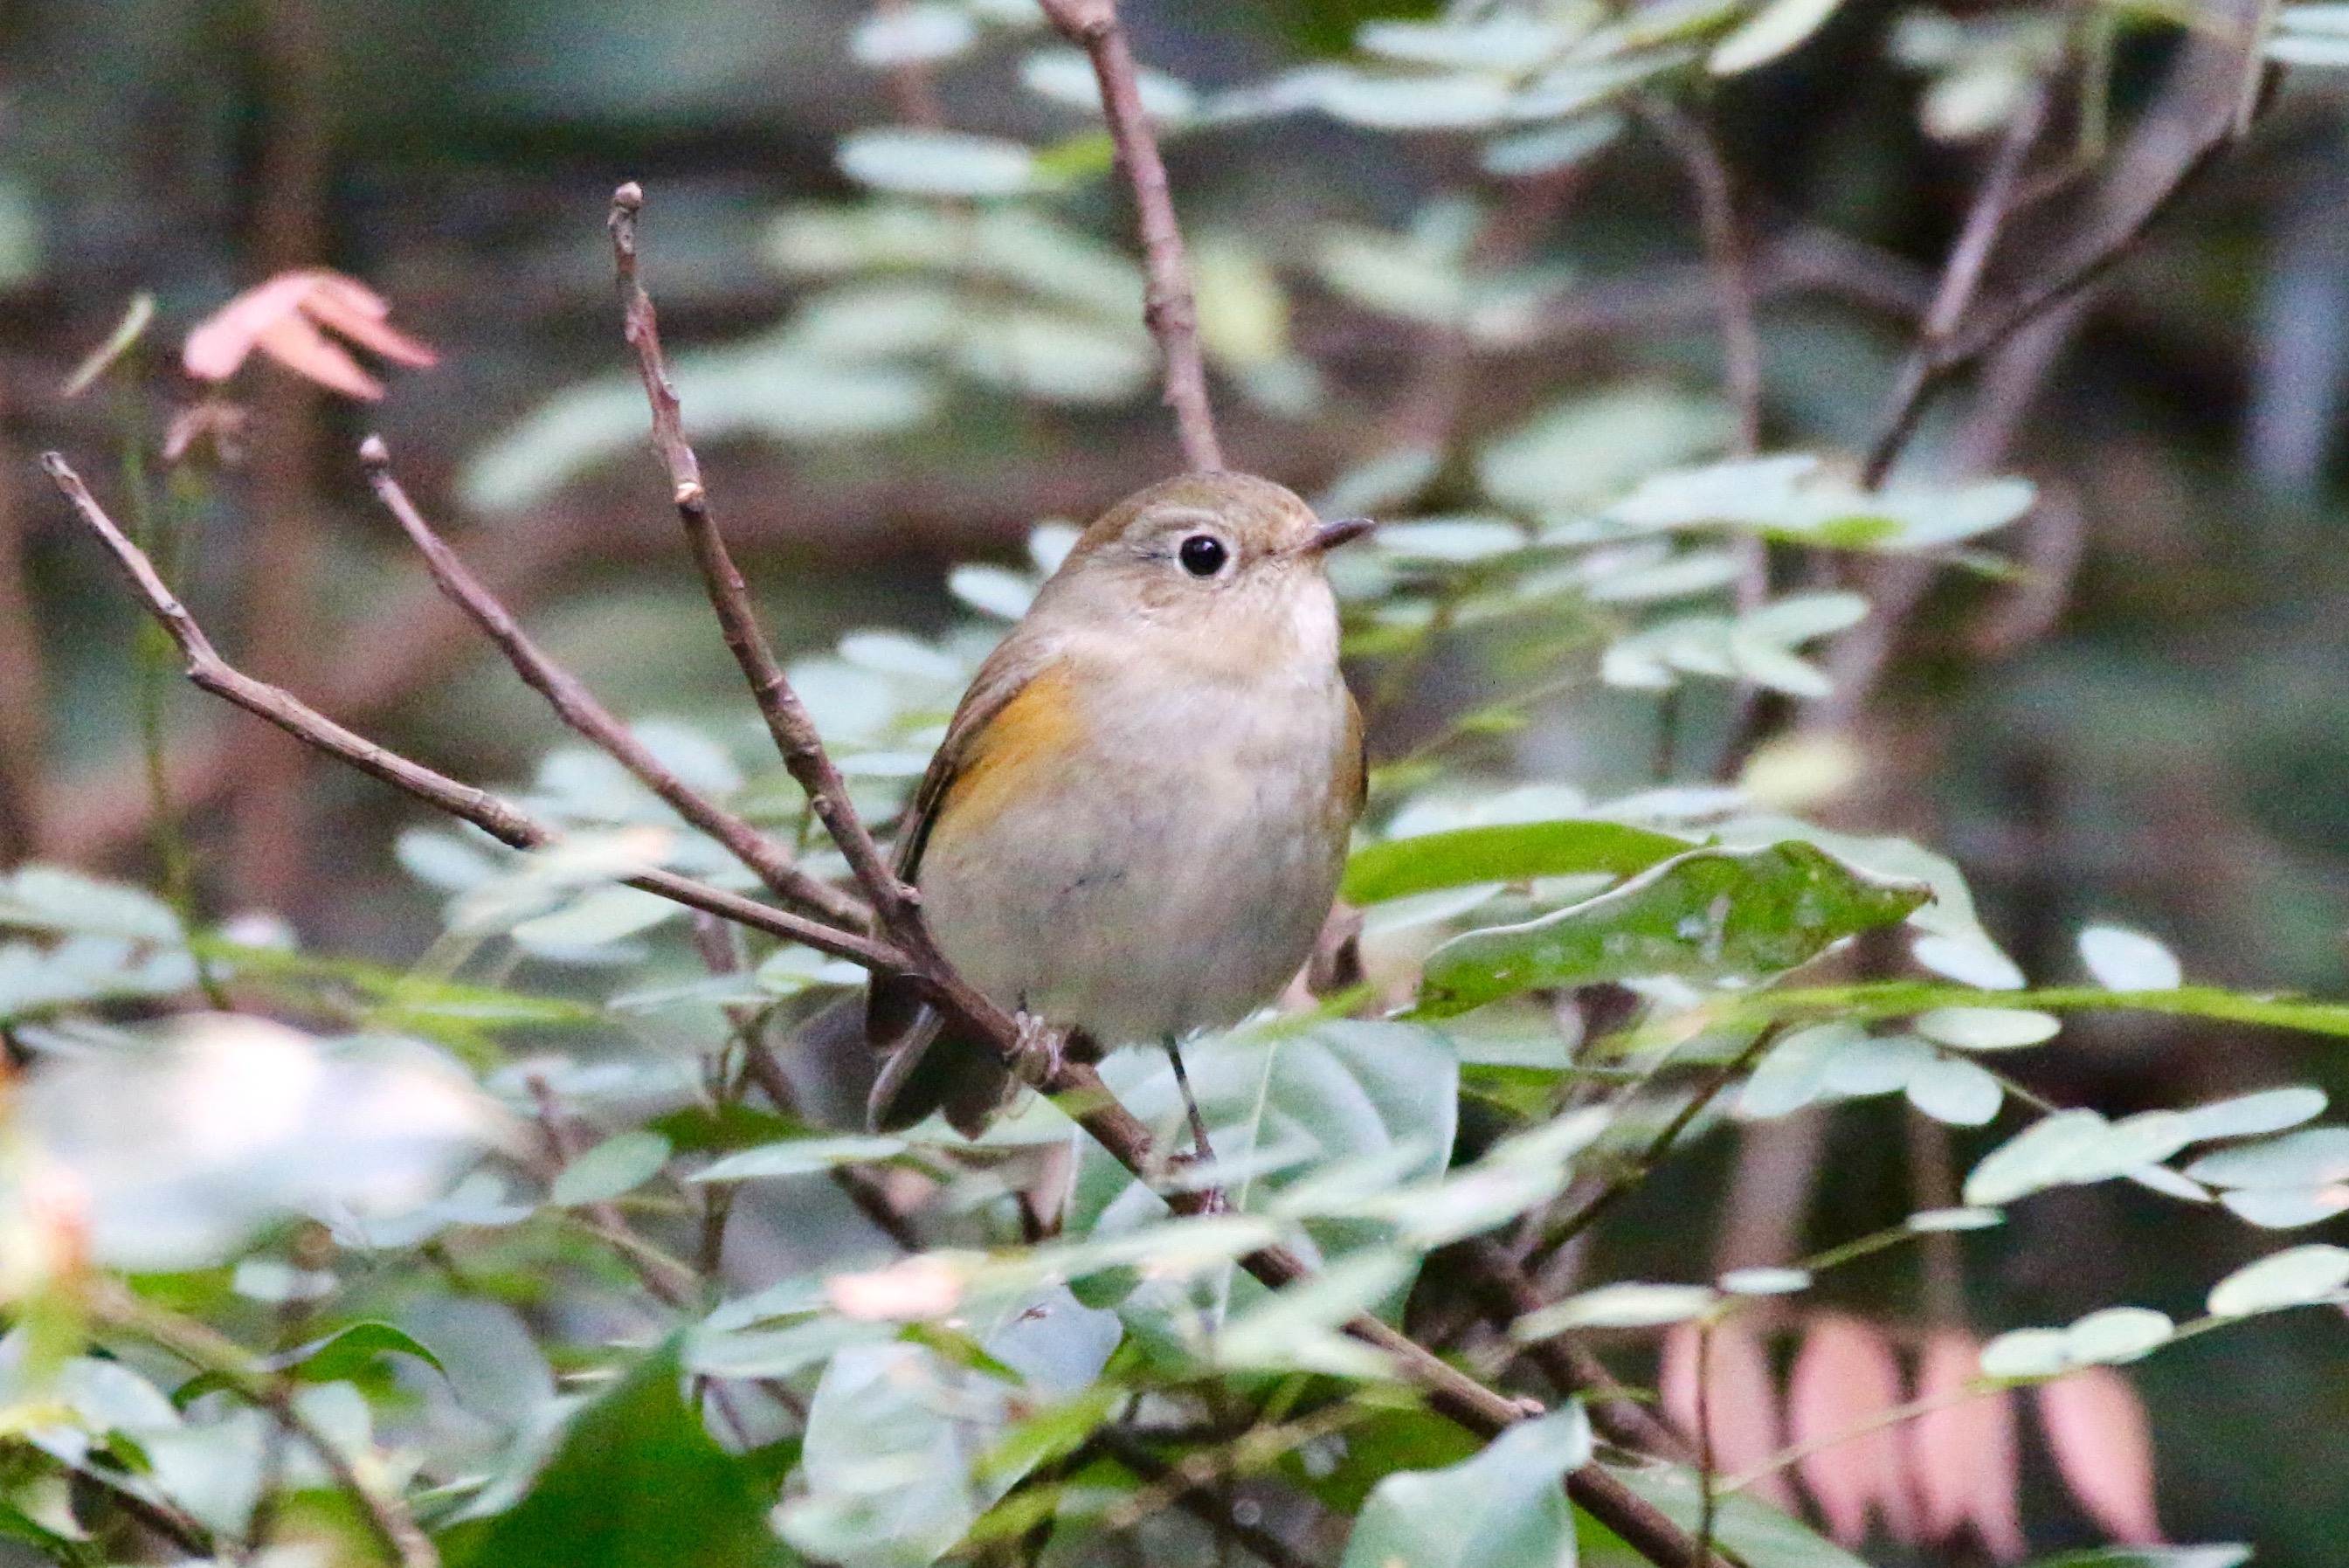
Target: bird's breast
x=1144 y=857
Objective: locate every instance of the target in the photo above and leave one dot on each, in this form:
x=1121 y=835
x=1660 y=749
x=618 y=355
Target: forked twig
x=493 y=815
x=786 y=717
x=577 y=706
x=1170 y=306
x=1930 y=360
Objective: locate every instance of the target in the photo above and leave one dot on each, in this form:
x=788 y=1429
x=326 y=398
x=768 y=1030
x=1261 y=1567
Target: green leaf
x=1503 y=1507
x=1295 y=1328
x=1591 y=447
x=919 y=34
x=1758 y=1533
x=1709 y=914
x=1627 y=1306
x=2126 y=960
x=800 y=1157
x=614 y=1166
x=2263 y=1111
x=2117 y=1335
x=1300 y=1100
x=918 y=162
x=636 y=1480
x=895 y=1432
x=2296 y=1276
x=50 y=898
x=1956 y=1093
x=721 y=1128
x=349 y=1352
x=2024 y=1353
x=1773 y=30
x=1986 y=1028
x=1795 y=1071
x=1342 y=1473
x=1509 y=851
x=2312 y=1157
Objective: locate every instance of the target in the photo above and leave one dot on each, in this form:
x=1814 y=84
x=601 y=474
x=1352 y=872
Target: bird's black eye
x=1203 y=555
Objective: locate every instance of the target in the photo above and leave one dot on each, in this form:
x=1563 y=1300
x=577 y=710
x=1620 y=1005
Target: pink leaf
x=302 y=349
x=359 y=313
x=283 y=317
x=1964 y=1458
x=1743 y=1402
x=2103 y=1445
x=1844 y=1377
x=224 y=339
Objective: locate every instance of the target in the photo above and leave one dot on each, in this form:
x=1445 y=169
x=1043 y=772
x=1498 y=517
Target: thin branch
x=1628 y=1180
x=670 y=1280
x=1928 y=362
x=787 y=718
x=1889 y=1416
x=715 y=942
x=1505 y=1294
x=1732 y=276
x=1197 y=1500
x=493 y=815
x=1169 y=307
x=384 y=1511
x=1725 y=259
x=578 y=707
x=1708 y=1499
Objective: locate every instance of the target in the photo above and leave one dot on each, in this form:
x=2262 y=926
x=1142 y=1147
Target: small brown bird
x=1135 y=825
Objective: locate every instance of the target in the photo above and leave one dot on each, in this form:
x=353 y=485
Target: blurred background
x=2151 y=725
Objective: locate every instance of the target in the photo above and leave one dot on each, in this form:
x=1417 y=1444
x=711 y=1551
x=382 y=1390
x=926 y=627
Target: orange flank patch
x=1005 y=756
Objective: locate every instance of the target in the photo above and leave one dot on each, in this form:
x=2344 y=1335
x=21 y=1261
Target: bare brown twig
x=1505 y=1293
x=577 y=706
x=1197 y=1500
x=1930 y=360
x=787 y=718
x=497 y=817
x=1170 y=306
x=2215 y=91
x=668 y=1278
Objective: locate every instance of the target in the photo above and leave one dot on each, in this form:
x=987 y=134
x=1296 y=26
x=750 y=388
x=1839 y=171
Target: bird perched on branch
x=1134 y=827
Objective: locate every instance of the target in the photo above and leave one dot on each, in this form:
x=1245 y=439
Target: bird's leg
x=1200 y=1152
x=1042 y=1050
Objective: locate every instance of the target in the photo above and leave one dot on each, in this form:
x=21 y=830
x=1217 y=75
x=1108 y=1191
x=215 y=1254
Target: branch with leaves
x=899 y=946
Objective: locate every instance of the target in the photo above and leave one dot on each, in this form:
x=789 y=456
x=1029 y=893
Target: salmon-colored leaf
x=212 y=419
x=311 y=354
x=283 y=318
x=1845 y=1376
x=2103 y=1445
x=1743 y=1401
x=1964 y=1458
x=358 y=314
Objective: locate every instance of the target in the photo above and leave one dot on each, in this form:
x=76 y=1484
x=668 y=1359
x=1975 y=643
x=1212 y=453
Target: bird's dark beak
x=1330 y=535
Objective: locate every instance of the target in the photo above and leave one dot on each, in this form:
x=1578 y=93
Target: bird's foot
x=1042 y=1050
